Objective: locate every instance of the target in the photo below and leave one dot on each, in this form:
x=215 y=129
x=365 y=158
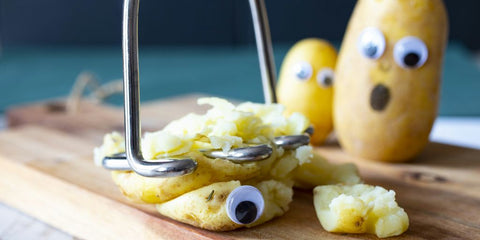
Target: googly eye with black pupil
x=303 y=70
x=325 y=77
x=410 y=52
x=245 y=204
x=371 y=43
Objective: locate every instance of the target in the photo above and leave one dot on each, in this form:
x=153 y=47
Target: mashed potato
x=199 y=198
x=359 y=209
x=223 y=127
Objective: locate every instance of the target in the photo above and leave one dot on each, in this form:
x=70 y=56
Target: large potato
x=388 y=77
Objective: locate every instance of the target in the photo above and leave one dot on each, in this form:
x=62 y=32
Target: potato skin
x=401 y=130
x=206 y=207
x=158 y=190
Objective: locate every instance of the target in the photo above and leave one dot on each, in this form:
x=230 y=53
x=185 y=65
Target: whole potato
x=388 y=77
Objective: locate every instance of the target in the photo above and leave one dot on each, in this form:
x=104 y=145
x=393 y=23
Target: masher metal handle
x=157 y=168
x=176 y=167
x=264 y=49
x=237 y=155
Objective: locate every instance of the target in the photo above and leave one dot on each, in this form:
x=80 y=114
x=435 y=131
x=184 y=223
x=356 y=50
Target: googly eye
x=325 y=77
x=245 y=204
x=371 y=43
x=410 y=52
x=303 y=70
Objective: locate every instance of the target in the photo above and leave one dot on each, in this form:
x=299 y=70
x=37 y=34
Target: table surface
x=17 y=225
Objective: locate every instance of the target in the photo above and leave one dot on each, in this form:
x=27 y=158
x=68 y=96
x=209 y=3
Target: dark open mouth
x=379 y=97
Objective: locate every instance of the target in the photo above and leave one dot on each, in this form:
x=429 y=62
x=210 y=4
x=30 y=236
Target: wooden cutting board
x=47 y=171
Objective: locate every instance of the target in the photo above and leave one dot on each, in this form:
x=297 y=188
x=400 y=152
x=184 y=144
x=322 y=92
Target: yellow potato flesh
x=318 y=171
x=359 y=209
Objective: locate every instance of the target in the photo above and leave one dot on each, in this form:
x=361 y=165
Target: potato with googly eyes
x=388 y=78
x=222 y=195
x=306 y=84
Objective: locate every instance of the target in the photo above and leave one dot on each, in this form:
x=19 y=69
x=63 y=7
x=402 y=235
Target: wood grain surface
x=48 y=172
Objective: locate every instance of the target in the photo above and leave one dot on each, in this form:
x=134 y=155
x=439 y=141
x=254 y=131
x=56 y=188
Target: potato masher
x=133 y=159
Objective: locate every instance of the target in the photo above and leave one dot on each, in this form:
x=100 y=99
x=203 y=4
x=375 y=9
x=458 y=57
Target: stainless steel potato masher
x=133 y=159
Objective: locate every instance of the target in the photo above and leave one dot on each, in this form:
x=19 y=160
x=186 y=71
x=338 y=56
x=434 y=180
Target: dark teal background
x=30 y=74
x=191 y=46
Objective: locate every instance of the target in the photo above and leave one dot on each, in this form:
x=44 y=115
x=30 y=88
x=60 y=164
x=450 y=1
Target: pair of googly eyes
x=245 y=204
x=304 y=71
x=410 y=52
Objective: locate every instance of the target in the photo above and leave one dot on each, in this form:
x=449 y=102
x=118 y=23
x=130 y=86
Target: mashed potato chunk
x=359 y=208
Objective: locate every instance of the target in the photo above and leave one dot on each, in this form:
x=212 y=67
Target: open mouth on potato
x=379 y=97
